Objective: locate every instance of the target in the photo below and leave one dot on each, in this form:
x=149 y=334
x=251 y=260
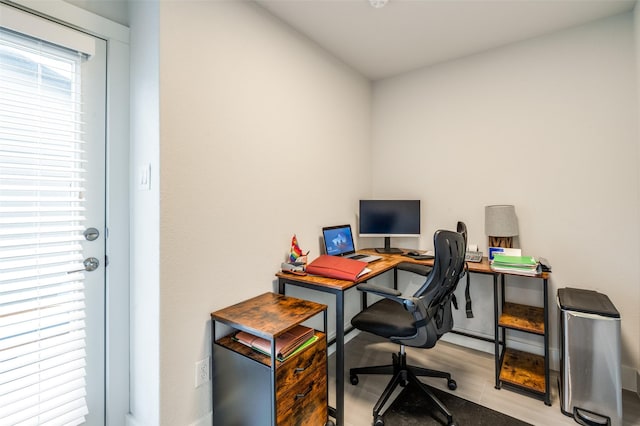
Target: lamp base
x=504 y=242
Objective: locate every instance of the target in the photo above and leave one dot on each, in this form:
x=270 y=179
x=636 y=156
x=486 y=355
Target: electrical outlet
x=202 y=372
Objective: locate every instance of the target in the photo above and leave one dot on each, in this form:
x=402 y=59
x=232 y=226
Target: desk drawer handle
x=301 y=369
x=302 y=395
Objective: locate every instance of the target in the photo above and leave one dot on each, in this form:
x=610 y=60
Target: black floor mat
x=412 y=407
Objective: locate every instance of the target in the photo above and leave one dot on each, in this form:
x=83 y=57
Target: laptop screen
x=338 y=240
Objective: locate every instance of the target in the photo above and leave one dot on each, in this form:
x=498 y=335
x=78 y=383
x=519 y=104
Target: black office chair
x=416 y=321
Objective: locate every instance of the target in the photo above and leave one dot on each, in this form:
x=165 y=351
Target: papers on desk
x=518 y=265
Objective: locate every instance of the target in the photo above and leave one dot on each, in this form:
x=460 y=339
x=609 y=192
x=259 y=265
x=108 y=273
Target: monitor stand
x=387 y=247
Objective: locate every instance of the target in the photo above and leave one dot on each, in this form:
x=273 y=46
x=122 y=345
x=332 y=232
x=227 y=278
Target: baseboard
x=206 y=420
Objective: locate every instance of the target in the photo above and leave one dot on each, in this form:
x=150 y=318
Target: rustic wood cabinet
x=252 y=388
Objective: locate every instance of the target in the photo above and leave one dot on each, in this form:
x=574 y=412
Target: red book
x=338 y=267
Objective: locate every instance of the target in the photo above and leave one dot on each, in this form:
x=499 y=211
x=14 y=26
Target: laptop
x=338 y=241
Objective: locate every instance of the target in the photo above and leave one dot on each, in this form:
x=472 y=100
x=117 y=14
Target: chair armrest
x=409 y=303
x=379 y=290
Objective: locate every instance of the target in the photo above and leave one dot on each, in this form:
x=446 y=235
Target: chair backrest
x=461 y=228
x=433 y=299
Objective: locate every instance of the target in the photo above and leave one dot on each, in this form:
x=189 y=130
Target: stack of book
x=287 y=344
x=519 y=265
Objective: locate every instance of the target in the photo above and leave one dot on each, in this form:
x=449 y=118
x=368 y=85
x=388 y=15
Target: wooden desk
x=389 y=262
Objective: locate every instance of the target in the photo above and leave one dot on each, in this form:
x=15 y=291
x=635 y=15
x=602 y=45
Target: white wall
x=549 y=125
x=115 y=10
x=145 y=217
x=262 y=135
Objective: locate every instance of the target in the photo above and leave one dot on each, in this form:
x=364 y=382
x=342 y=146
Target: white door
x=52 y=190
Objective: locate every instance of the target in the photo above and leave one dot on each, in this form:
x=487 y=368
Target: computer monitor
x=389 y=218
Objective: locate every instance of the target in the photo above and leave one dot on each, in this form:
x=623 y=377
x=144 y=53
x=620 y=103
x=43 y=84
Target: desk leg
x=496 y=331
x=339 y=358
x=547 y=394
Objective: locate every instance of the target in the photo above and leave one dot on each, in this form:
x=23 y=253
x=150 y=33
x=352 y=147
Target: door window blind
x=42 y=309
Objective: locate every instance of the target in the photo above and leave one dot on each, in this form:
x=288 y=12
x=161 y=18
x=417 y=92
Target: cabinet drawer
x=301 y=365
x=304 y=403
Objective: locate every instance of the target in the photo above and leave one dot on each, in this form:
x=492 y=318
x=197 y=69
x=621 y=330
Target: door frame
x=117 y=193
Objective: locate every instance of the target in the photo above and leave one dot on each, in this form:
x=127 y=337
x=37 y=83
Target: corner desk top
x=386 y=263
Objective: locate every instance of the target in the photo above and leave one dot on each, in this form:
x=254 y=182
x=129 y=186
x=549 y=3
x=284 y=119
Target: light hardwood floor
x=472 y=370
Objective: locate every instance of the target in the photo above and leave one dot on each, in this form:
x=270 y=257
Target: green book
x=522 y=261
x=280 y=358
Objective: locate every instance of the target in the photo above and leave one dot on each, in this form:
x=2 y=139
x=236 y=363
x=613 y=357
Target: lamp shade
x=500 y=221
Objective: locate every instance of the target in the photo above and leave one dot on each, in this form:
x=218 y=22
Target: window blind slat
x=47 y=316
x=44 y=343
x=13 y=92
x=39 y=219
x=69 y=147
x=42 y=364
x=45 y=240
x=45 y=374
x=65 y=400
x=49 y=352
x=66 y=415
x=10 y=286
x=35 y=251
x=21 y=301
x=76 y=377
x=42 y=230
x=27 y=403
x=40 y=209
x=35 y=262
x=72 y=322
x=41 y=168
x=20 y=158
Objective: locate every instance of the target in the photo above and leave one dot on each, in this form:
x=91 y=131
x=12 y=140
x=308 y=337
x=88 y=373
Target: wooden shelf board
x=522 y=317
x=523 y=369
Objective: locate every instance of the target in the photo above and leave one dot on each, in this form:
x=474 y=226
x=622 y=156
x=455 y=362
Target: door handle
x=91 y=234
x=90 y=264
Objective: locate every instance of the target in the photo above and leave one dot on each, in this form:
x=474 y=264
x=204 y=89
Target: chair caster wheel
x=452 y=384
x=379 y=421
x=329 y=423
x=354 y=380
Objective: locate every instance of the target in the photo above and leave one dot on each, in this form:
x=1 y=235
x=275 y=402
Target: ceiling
x=405 y=35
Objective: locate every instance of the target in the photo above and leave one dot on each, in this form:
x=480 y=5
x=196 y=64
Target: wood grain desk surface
x=386 y=263
x=268 y=315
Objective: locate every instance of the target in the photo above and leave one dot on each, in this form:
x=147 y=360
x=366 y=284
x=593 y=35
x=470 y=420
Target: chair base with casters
x=403 y=374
